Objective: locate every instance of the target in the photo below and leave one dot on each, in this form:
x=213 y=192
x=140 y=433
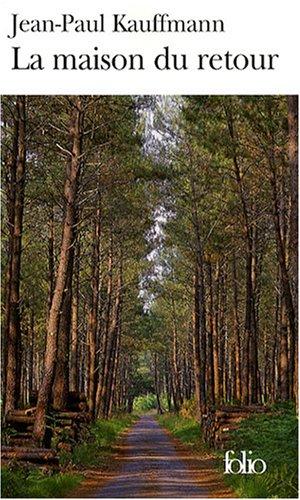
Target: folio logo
x=244 y=465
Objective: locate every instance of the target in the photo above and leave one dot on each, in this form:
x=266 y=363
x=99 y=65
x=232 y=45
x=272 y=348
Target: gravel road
x=151 y=467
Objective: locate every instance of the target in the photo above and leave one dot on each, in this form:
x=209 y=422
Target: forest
x=149 y=248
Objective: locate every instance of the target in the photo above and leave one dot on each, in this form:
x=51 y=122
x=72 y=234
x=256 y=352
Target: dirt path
x=151 y=464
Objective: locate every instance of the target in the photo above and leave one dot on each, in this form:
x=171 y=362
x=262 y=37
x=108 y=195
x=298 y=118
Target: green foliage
x=148 y=402
x=145 y=403
x=189 y=409
x=114 y=161
x=103 y=436
x=6 y=434
x=141 y=383
x=187 y=430
x=34 y=483
x=274 y=439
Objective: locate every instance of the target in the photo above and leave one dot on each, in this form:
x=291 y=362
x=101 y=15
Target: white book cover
x=149 y=155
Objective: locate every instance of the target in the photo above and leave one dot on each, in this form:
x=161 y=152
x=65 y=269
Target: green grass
x=187 y=430
x=272 y=437
x=94 y=452
x=19 y=483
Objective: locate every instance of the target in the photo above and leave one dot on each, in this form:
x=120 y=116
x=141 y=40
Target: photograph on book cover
x=149 y=331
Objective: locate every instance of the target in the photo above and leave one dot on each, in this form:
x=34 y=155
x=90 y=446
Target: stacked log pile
x=39 y=456
x=218 y=423
x=68 y=426
x=20 y=426
x=64 y=429
x=20 y=445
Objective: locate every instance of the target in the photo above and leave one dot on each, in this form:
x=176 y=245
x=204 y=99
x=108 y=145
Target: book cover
x=149 y=342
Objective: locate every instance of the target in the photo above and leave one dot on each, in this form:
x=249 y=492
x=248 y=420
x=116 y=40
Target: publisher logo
x=244 y=464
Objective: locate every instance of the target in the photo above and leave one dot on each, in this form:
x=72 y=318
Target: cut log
x=22 y=443
x=70 y=432
x=233 y=414
x=39 y=455
x=74 y=415
x=24 y=436
x=228 y=428
x=83 y=406
x=63 y=422
x=229 y=419
x=61 y=430
x=24 y=449
x=64 y=447
x=30 y=411
x=25 y=412
x=19 y=419
x=242 y=409
x=218 y=424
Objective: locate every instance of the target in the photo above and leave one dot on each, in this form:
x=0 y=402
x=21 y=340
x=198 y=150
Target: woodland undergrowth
x=93 y=451
x=272 y=437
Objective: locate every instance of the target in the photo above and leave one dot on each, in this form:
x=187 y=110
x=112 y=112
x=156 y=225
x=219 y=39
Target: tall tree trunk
x=13 y=341
x=249 y=378
x=222 y=334
x=10 y=162
x=196 y=344
x=61 y=375
x=273 y=366
x=115 y=345
x=250 y=384
x=31 y=354
x=175 y=370
x=111 y=349
x=237 y=339
x=115 y=369
x=293 y=161
x=199 y=311
x=93 y=312
x=70 y=194
x=101 y=388
x=157 y=385
x=216 y=314
x=293 y=243
x=51 y=259
x=280 y=234
x=254 y=388
x=283 y=355
x=168 y=383
x=212 y=341
x=74 y=357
